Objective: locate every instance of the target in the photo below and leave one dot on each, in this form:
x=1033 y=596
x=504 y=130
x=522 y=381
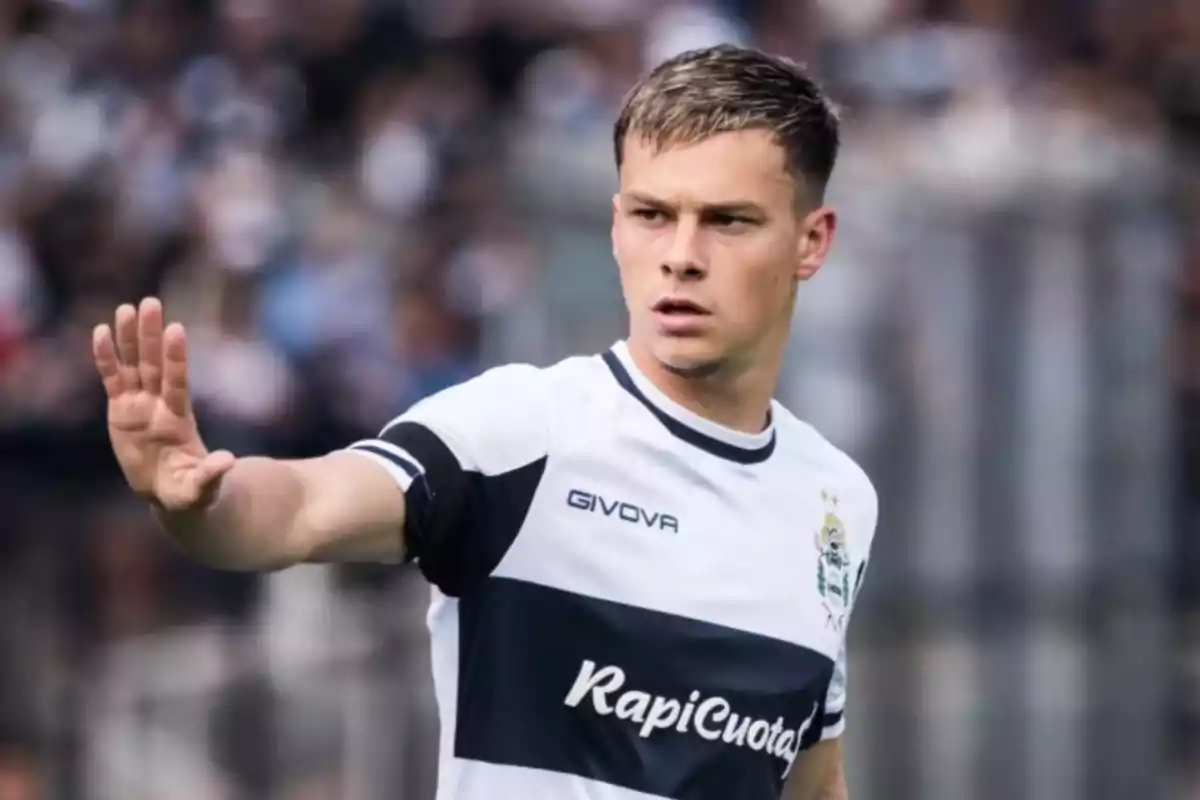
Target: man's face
x=710 y=243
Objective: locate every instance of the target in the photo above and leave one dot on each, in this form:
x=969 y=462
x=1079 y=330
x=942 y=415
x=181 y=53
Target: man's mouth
x=680 y=306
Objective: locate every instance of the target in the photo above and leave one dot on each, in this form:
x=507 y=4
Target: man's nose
x=685 y=259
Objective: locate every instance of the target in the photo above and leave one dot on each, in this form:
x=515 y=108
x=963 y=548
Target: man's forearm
x=250 y=524
x=834 y=789
x=819 y=775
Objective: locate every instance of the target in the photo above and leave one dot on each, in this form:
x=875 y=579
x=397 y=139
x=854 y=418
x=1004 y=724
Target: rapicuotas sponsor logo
x=710 y=718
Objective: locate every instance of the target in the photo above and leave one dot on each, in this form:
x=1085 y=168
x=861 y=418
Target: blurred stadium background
x=354 y=203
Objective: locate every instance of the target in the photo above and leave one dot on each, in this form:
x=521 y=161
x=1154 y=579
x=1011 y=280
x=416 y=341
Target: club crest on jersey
x=833 y=564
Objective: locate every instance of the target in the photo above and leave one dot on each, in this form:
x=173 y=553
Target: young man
x=642 y=566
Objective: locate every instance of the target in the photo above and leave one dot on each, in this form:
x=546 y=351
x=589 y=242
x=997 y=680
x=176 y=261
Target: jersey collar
x=727 y=443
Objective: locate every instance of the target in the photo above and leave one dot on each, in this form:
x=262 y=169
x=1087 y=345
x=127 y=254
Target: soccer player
x=642 y=565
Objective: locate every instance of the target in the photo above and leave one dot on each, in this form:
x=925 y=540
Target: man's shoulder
x=801 y=443
x=513 y=396
x=504 y=415
x=552 y=381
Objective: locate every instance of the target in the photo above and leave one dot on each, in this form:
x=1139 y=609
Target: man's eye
x=728 y=220
x=648 y=214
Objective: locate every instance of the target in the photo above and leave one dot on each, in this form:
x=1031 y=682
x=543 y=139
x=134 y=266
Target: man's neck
x=738 y=399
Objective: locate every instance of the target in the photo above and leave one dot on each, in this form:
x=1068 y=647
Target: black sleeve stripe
x=402 y=463
x=458 y=524
x=829 y=720
x=418 y=502
x=443 y=480
x=397 y=451
x=428 y=450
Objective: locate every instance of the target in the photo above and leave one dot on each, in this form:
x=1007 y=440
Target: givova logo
x=710 y=718
x=627 y=512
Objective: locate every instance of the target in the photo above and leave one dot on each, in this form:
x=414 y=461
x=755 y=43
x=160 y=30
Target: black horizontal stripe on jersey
x=459 y=523
x=680 y=430
x=524 y=647
x=403 y=463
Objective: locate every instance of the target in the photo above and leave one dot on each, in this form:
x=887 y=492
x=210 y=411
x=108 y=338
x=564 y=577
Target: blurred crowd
x=354 y=203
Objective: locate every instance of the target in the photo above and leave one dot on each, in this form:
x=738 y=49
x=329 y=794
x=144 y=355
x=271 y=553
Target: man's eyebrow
x=736 y=208
x=647 y=200
x=733 y=207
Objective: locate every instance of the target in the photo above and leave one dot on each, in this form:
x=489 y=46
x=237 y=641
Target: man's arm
x=818 y=774
x=243 y=514
x=451 y=481
x=269 y=514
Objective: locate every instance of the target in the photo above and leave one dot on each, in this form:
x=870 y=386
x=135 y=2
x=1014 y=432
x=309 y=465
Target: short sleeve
x=833 y=722
x=469 y=460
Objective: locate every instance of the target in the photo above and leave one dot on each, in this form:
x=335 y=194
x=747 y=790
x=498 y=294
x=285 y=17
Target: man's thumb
x=215 y=464
x=209 y=472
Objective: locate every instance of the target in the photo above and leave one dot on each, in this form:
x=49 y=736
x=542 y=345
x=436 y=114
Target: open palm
x=150 y=418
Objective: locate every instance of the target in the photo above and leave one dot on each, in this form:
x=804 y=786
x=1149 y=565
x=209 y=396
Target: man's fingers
x=107 y=363
x=127 y=349
x=175 y=369
x=150 y=344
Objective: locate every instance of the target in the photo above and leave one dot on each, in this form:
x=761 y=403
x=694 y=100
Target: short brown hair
x=700 y=93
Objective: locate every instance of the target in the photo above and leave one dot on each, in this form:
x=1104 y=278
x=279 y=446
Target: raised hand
x=150 y=419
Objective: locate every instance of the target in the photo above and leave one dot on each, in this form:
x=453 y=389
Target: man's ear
x=817 y=231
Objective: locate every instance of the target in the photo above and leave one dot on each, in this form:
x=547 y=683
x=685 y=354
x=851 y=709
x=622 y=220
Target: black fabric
x=459 y=523
x=524 y=646
x=729 y=452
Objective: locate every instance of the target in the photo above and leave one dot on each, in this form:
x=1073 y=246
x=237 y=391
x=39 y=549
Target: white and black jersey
x=630 y=601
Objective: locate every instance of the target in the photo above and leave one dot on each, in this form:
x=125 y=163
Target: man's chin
x=689 y=358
